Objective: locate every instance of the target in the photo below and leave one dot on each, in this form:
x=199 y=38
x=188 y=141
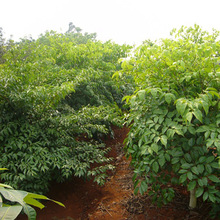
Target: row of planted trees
x=60 y=93
x=53 y=91
x=175 y=116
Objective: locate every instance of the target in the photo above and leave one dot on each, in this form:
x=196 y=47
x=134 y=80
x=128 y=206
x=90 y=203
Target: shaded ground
x=115 y=200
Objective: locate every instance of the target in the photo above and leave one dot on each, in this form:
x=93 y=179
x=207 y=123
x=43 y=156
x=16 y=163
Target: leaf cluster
x=57 y=101
x=12 y=202
x=174 y=115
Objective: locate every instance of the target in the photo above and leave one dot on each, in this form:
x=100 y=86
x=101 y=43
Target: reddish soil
x=115 y=200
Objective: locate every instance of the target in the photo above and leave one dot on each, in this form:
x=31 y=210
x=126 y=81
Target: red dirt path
x=115 y=200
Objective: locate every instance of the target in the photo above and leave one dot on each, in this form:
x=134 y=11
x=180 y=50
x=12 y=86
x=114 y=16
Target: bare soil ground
x=115 y=200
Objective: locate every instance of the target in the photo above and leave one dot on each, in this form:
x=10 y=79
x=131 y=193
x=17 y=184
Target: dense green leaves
x=58 y=100
x=175 y=112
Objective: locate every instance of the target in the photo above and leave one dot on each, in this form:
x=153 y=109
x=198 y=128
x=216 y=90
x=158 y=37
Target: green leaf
x=199 y=192
x=183 y=178
x=208 y=168
x=30 y=212
x=195 y=170
x=205 y=106
x=189 y=116
x=175 y=160
x=136 y=183
x=200 y=168
x=202 y=159
x=191 y=185
x=207 y=134
x=154 y=147
x=202 y=128
x=205 y=181
x=200 y=182
x=163 y=140
x=188 y=157
x=191 y=129
x=186 y=166
x=141 y=94
x=155 y=167
x=215 y=165
x=167 y=156
x=198 y=114
x=161 y=161
x=33 y=202
x=169 y=97
x=214 y=178
x=154 y=92
x=136 y=190
x=170 y=133
x=18 y=196
x=205 y=196
x=191 y=142
x=143 y=187
x=189 y=175
x=6 y=186
x=212 y=197
x=183 y=171
x=181 y=106
x=209 y=142
x=210 y=159
x=10 y=212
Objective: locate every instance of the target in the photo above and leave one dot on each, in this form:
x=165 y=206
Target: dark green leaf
x=189 y=175
x=214 y=178
x=167 y=156
x=191 y=185
x=191 y=129
x=175 y=160
x=199 y=191
x=136 y=190
x=155 y=167
x=205 y=196
x=208 y=168
x=205 y=181
x=186 y=165
x=183 y=171
x=200 y=168
x=161 y=161
x=183 y=178
x=210 y=159
x=188 y=157
x=143 y=187
x=212 y=197
x=200 y=182
x=195 y=170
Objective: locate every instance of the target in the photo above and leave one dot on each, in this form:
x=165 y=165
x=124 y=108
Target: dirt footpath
x=115 y=200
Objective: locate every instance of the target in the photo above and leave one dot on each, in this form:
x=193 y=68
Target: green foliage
x=174 y=115
x=57 y=99
x=12 y=202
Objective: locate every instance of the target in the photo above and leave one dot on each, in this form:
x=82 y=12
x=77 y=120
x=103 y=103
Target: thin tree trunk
x=193 y=199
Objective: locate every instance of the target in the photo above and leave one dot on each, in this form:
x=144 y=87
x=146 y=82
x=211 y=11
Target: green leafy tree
x=174 y=116
x=45 y=135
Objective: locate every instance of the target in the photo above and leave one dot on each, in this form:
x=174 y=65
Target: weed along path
x=115 y=200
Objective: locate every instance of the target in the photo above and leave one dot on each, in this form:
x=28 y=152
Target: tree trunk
x=193 y=199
